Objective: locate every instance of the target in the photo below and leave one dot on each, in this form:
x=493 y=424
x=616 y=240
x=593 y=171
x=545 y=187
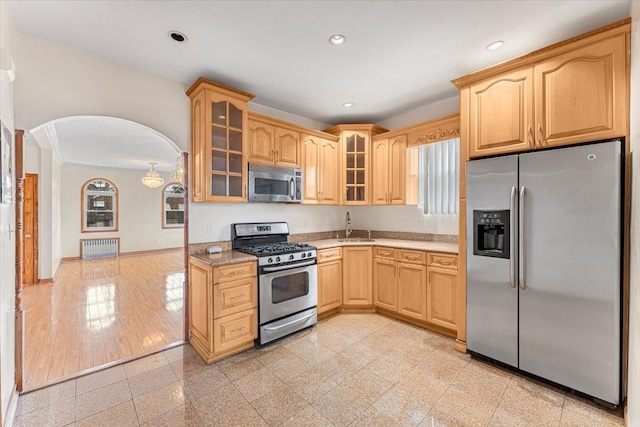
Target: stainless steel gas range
x=287 y=278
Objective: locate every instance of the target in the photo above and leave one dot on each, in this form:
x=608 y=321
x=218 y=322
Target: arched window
x=99 y=206
x=173 y=206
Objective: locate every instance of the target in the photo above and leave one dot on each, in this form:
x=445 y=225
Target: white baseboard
x=11 y=408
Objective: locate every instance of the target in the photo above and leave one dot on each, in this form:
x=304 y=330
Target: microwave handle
x=292 y=188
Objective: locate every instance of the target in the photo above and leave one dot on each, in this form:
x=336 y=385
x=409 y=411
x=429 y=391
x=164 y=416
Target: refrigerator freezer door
x=570 y=305
x=492 y=302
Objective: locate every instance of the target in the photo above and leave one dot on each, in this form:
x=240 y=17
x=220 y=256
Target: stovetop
x=280 y=248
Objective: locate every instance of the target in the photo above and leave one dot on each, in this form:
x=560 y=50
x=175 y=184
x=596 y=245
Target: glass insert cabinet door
x=356 y=159
x=228 y=172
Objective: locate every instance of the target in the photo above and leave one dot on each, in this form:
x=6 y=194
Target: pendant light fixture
x=152 y=179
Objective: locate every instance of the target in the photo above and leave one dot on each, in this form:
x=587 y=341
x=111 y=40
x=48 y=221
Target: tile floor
x=359 y=370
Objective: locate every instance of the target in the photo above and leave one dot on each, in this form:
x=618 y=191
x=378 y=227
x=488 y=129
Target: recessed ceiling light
x=495 y=45
x=348 y=104
x=337 y=39
x=178 y=36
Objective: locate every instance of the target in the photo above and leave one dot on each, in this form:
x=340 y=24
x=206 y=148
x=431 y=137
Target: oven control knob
x=277 y=259
x=291 y=256
x=304 y=255
x=308 y=253
x=270 y=260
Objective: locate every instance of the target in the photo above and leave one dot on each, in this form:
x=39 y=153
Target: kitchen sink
x=356 y=240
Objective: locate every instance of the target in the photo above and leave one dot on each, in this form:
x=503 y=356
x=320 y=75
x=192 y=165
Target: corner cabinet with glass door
x=219 y=132
x=356 y=161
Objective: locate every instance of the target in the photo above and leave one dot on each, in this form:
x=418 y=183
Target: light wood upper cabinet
x=389 y=171
x=330 y=172
x=356 y=161
x=356 y=169
x=329 y=285
x=385 y=285
x=380 y=167
x=219 y=132
x=273 y=145
x=261 y=142
x=320 y=169
x=412 y=290
x=356 y=278
x=581 y=95
x=573 y=92
x=501 y=114
x=287 y=147
x=310 y=169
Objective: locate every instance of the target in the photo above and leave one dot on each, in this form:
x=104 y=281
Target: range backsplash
x=309 y=237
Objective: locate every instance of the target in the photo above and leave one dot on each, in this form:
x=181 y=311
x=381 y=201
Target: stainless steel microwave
x=274 y=184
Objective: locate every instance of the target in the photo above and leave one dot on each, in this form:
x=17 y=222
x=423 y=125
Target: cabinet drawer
x=234 y=297
x=332 y=254
x=226 y=273
x=413 y=257
x=443 y=260
x=235 y=330
x=385 y=253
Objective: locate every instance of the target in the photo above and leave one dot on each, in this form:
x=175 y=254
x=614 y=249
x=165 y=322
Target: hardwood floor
x=101 y=311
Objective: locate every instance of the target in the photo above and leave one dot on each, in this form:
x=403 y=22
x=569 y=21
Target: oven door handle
x=293 y=322
x=288 y=267
x=292 y=188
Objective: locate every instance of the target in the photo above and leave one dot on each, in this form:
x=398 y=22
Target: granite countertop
x=451 y=248
x=234 y=257
x=224 y=257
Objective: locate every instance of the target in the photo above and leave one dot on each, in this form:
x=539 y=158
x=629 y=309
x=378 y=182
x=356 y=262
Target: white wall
x=7 y=236
x=211 y=222
x=139 y=217
x=288 y=117
x=422 y=114
x=402 y=218
x=58 y=81
x=633 y=398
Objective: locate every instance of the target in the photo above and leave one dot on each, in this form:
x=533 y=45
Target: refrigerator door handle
x=512 y=238
x=521 y=238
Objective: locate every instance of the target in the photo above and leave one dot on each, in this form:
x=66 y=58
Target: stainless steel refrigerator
x=544 y=254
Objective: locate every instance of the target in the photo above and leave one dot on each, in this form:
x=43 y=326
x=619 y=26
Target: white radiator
x=99 y=248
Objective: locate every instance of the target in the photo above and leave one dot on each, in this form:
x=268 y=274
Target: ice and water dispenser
x=491 y=233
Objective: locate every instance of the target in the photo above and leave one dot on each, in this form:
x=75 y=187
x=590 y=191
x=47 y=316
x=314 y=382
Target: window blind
x=439 y=177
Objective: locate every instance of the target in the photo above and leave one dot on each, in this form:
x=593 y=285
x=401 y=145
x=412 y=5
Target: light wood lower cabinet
x=329 y=280
x=418 y=286
x=385 y=285
x=412 y=290
x=399 y=282
x=223 y=318
x=442 y=288
x=356 y=277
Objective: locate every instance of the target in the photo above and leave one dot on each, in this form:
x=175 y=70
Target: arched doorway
x=121 y=307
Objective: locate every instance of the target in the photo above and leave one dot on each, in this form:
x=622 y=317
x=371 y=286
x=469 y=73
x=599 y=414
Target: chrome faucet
x=348 y=229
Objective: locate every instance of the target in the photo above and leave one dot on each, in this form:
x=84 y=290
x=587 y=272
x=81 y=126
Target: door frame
x=19 y=311
x=34 y=237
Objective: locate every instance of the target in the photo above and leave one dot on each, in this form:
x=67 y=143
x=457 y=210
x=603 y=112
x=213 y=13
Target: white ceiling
x=399 y=54
x=108 y=142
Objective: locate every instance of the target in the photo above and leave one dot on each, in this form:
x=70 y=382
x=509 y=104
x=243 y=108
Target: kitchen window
x=173 y=206
x=99 y=206
x=439 y=177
